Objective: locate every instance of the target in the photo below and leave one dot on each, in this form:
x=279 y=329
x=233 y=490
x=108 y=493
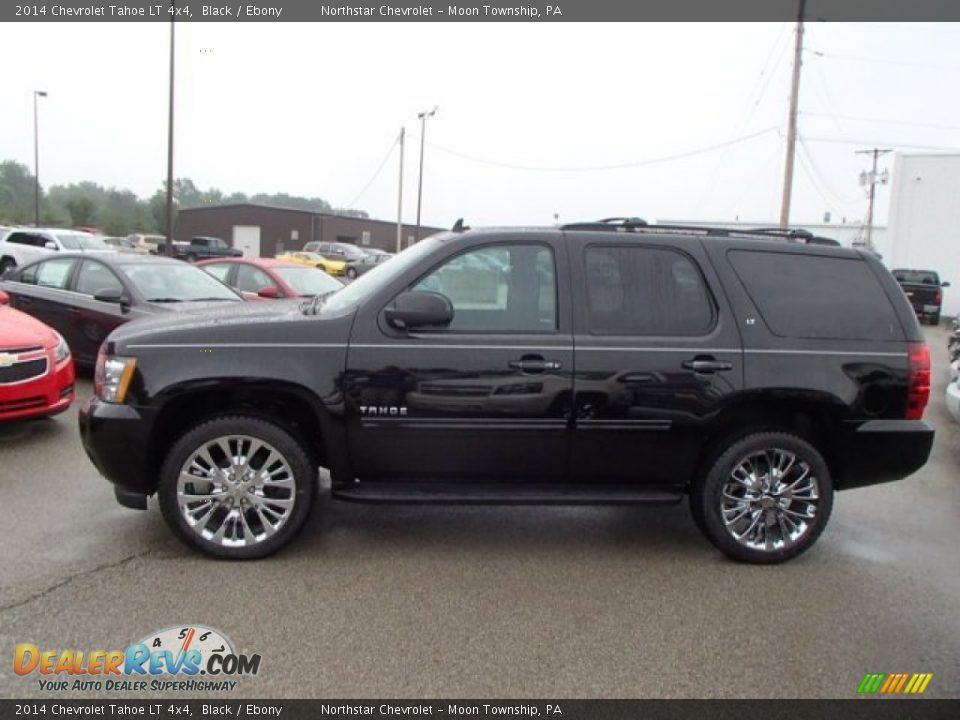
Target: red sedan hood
x=18 y=330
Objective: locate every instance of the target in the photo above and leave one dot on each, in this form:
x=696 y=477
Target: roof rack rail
x=638 y=225
x=612 y=223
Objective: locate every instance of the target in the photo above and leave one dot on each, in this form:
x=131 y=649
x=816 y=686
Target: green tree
x=16 y=193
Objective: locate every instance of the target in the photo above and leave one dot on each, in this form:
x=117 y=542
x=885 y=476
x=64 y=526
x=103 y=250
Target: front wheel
x=352 y=273
x=237 y=487
x=766 y=499
x=6 y=264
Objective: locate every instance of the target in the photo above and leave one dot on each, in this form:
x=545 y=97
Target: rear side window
x=634 y=290
x=27 y=239
x=816 y=297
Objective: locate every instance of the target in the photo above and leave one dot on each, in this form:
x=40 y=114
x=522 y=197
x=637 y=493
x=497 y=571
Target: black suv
x=601 y=363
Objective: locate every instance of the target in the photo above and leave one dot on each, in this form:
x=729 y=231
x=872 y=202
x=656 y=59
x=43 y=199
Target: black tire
x=303 y=472
x=191 y=258
x=935 y=320
x=707 y=497
x=351 y=273
x=6 y=264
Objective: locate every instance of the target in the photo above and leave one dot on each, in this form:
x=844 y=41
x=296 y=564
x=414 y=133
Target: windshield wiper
x=311 y=306
x=164 y=300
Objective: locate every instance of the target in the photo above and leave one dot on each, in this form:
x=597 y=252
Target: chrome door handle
x=534 y=364
x=707 y=365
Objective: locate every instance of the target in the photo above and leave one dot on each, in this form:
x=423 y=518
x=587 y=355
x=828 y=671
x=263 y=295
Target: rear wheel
x=6 y=264
x=191 y=258
x=237 y=487
x=352 y=273
x=766 y=499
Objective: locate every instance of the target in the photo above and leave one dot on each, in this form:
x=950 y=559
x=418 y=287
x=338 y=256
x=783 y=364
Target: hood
x=19 y=330
x=253 y=322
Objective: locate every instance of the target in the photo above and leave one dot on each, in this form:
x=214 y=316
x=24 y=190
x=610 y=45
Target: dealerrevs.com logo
x=186 y=658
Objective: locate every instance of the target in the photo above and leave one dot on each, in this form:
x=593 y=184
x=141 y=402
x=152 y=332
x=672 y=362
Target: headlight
x=112 y=377
x=62 y=351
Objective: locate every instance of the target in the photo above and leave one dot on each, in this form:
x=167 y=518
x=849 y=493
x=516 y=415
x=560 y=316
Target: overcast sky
x=313 y=110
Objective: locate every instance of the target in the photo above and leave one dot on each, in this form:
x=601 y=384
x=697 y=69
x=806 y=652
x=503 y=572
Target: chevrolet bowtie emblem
x=7 y=359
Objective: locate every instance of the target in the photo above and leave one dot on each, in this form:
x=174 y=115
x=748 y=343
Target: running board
x=502 y=494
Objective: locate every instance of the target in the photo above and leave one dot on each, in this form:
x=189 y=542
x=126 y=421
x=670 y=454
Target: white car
x=953 y=399
x=22 y=245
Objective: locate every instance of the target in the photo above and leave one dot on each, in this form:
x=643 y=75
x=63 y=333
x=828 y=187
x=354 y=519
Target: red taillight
x=918 y=380
x=938 y=298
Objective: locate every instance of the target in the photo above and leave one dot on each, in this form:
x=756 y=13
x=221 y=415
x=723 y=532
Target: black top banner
x=471 y=11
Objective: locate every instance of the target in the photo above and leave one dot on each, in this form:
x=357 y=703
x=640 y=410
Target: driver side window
x=498 y=289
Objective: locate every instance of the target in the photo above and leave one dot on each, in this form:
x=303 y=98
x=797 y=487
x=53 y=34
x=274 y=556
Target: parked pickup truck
x=924 y=290
x=200 y=248
x=598 y=363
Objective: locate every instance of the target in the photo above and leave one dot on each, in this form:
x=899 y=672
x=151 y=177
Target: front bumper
x=117 y=441
x=49 y=394
x=880 y=451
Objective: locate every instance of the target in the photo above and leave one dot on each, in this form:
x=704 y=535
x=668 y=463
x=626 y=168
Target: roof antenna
x=458 y=226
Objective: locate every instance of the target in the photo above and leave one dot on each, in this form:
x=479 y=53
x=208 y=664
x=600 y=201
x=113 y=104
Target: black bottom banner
x=859 y=709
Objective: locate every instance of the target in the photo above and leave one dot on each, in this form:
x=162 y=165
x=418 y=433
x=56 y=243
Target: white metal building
x=924 y=222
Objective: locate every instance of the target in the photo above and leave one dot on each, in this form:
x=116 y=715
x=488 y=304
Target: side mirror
x=944 y=284
x=50 y=245
x=4 y=298
x=113 y=295
x=269 y=292
x=419 y=309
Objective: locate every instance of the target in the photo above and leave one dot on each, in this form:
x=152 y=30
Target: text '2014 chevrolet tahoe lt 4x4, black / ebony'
x=600 y=363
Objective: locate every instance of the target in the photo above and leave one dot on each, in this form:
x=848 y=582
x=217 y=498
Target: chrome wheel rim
x=770 y=500
x=236 y=491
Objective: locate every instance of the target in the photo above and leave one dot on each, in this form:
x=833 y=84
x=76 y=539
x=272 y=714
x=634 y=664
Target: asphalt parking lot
x=378 y=601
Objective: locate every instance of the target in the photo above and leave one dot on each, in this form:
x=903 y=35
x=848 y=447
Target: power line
x=857 y=118
x=842 y=199
x=600 y=168
x=816 y=186
x=862 y=141
x=375 y=175
x=884 y=61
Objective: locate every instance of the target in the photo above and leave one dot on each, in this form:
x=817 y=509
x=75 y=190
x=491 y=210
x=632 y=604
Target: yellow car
x=331 y=267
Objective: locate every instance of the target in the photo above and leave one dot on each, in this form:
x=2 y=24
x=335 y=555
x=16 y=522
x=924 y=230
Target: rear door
x=657 y=356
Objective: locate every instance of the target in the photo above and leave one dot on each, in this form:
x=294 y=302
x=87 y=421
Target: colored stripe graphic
x=894 y=683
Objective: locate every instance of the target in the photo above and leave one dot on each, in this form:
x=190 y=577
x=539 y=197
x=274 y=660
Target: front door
x=92 y=320
x=657 y=355
x=485 y=399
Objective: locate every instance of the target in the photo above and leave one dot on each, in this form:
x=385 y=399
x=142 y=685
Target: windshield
x=381 y=275
x=308 y=281
x=920 y=277
x=76 y=241
x=176 y=282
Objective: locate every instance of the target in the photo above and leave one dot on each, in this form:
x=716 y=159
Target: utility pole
x=168 y=250
x=403 y=133
x=871 y=179
x=792 y=120
x=36 y=159
x=423 y=141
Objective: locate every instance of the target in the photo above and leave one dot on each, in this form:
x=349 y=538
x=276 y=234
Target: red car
x=269 y=278
x=36 y=370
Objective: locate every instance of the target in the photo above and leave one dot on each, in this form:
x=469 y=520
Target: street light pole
x=168 y=249
x=403 y=134
x=423 y=141
x=36 y=158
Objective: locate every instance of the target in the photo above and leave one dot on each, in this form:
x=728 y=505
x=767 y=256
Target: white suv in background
x=22 y=245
